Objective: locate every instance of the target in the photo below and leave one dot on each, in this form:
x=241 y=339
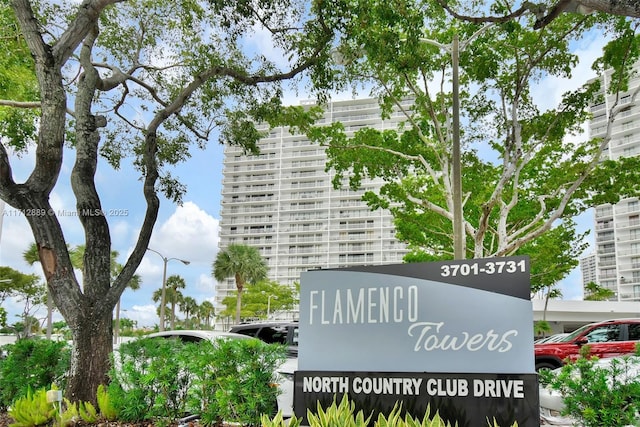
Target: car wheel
x=545 y=365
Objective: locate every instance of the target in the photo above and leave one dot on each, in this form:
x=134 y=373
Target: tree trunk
x=49 y=314
x=116 y=324
x=173 y=315
x=238 y=305
x=92 y=345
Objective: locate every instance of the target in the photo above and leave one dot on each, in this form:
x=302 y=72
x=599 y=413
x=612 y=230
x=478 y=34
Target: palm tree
x=206 y=312
x=173 y=294
x=542 y=327
x=189 y=306
x=157 y=297
x=242 y=262
x=596 y=292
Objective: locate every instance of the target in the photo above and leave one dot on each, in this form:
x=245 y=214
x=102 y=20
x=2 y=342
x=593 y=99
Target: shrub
x=162 y=380
x=235 y=381
x=31 y=364
x=599 y=394
x=154 y=380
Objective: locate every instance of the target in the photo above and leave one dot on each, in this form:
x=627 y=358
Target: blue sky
x=187 y=232
x=190 y=231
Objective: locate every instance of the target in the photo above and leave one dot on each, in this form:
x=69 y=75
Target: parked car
x=284 y=373
x=551 y=338
x=606 y=339
x=552 y=401
x=280 y=332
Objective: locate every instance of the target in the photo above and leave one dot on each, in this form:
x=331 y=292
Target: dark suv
x=606 y=339
x=281 y=332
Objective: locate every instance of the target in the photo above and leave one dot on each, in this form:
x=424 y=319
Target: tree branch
x=18 y=104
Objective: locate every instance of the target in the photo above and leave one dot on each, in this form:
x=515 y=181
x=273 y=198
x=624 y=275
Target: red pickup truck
x=605 y=339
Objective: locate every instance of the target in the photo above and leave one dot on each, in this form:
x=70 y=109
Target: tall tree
x=261 y=298
x=17 y=82
x=31 y=257
x=189 y=306
x=242 y=262
x=206 y=313
x=174 y=296
x=595 y=292
x=25 y=287
x=521 y=178
x=185 y=66
x=77 y=255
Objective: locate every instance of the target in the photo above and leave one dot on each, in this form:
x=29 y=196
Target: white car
x=284 y=373
x=552 y=401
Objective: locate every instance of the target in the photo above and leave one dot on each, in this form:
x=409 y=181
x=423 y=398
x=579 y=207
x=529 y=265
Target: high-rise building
x=283 y=203
x=617 y=227
x=588 y=269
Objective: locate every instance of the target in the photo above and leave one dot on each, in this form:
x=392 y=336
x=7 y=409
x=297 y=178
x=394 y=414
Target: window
x=251 y=332
x=604 y=334
x=634 y=332
x=273 y=334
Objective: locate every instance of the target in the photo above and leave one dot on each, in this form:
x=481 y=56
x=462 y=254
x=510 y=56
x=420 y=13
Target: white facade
x=588 y=269
x=617 y=227
x=568 y=315
x=283 y=203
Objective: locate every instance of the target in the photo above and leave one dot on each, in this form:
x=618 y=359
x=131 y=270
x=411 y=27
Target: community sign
x=455 y=337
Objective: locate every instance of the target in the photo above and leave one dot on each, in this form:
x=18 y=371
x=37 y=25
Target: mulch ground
x=6 y=421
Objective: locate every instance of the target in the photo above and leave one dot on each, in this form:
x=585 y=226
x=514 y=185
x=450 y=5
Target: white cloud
x=548 y=92
x=205 y=283
x=189 y=233
x=144 y=315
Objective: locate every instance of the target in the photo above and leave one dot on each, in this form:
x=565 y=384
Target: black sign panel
x=454 y=336
x=470 y=400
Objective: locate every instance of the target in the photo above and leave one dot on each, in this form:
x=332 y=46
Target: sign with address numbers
x=457 y=335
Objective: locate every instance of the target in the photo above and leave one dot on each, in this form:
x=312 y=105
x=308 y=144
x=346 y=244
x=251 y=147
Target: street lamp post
x=163 y=292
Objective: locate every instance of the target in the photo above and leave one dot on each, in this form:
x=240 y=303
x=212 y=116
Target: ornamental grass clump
x=345 y=415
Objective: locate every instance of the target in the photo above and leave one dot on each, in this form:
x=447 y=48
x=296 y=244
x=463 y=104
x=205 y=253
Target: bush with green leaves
x=162 y=380
x=235 y=381
x=154 y=377
x=599 y=393
x=32 y=364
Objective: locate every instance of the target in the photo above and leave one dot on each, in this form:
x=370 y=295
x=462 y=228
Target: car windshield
x=574 y=334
